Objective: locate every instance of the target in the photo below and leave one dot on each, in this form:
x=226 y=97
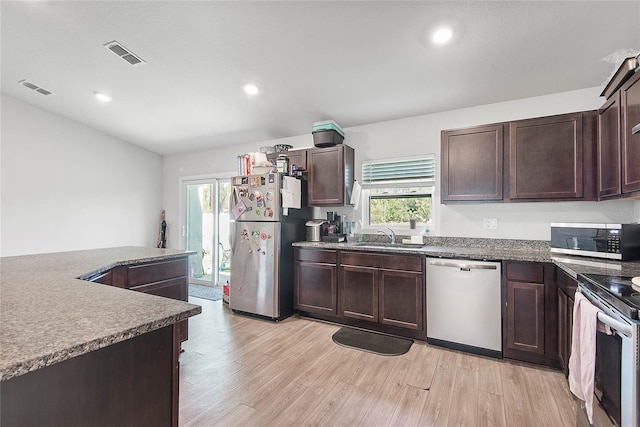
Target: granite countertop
x=452 y=247
x=575 y=265
x=48 y=314
x=491 y=250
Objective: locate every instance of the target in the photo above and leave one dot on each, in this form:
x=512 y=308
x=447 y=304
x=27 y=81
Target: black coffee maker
x=333 y=229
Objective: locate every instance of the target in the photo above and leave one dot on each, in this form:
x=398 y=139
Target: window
x=397 y=192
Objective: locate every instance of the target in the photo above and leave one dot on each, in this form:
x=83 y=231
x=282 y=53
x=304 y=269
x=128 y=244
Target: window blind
x=417 y=170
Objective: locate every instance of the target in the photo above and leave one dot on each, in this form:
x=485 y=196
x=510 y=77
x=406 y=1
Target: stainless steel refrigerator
x=261 y=236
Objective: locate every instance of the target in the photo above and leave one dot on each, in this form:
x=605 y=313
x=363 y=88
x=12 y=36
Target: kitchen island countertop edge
x=49 y=314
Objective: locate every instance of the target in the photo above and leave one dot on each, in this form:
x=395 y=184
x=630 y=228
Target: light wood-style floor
x=241 y=371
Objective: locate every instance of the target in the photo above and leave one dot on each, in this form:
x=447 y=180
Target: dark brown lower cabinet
x=376 y=291
x=566 y=292
x=164 y=278
x=565 y=325
x=401 y=299
x=381 y=288
x=525 y=317
x=105 y=278
x=389 y=297
x=530 y=330
x=130 y=383
x=359 y=292
x=315 y=282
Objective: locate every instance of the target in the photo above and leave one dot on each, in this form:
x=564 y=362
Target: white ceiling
x=357 y=62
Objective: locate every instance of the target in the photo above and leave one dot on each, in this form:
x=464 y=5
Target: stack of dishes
x=282 y=148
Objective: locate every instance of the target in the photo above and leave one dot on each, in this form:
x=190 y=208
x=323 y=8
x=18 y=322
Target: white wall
x=421 y=135
x=67 y=187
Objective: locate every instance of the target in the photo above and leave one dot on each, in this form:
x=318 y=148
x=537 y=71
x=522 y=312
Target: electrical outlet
x=490 y=223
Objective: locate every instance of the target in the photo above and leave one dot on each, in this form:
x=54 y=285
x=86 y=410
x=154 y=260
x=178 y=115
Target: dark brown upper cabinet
x=330 y=172
x=296 y=157
x=630 y=102
x=552 y=158
x=618 y=148
x=609 y=121
x=540 y=159
x=472 y=164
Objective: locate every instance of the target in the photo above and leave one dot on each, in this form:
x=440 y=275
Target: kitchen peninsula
x=76 y=352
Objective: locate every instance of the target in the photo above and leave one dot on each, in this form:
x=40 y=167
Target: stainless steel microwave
x=610 y=241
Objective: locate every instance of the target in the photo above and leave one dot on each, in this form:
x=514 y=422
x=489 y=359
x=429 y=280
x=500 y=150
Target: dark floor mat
x=372 y=342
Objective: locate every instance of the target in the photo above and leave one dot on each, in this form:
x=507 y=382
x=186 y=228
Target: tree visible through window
x=398 y=191
x=392 y=209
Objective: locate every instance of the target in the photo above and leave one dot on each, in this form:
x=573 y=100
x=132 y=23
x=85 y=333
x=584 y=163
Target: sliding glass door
x=206 y=229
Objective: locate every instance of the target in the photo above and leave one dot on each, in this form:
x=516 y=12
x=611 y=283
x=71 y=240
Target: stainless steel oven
x=617 y=371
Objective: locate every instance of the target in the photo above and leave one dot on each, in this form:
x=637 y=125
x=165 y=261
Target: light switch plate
x=490 y=223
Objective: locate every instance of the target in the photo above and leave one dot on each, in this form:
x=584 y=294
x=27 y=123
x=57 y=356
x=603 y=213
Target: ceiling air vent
x=35 y=87
x=124 y=53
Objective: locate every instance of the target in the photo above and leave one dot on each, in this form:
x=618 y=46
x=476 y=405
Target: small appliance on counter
x=334 y=227
x=314 y=230
x=610 y=241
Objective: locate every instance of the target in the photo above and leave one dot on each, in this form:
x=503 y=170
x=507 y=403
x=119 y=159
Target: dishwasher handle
x=464 y=266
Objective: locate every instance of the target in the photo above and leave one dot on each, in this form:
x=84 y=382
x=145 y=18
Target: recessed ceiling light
x=251 y=89
x=442 y=35
x=102 y=97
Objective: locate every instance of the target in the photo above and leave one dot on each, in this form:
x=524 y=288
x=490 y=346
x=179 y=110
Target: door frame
x=183 y=181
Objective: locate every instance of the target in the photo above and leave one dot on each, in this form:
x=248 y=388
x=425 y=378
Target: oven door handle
x=615 y=324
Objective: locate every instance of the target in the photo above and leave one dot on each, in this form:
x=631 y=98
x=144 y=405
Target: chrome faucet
x=391 y=236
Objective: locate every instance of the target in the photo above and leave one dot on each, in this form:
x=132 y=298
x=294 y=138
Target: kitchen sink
x=389 y=245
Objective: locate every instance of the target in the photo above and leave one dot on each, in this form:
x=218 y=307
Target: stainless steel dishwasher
x=463 y=305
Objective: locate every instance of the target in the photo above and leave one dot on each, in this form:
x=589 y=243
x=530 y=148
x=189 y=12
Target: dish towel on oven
x=582 y=362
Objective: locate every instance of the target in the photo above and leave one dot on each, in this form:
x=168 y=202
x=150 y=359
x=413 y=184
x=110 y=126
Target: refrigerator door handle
x=234 y=199
x=232 y=238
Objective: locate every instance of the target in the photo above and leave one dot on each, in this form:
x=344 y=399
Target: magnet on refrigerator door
x=239 y=209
